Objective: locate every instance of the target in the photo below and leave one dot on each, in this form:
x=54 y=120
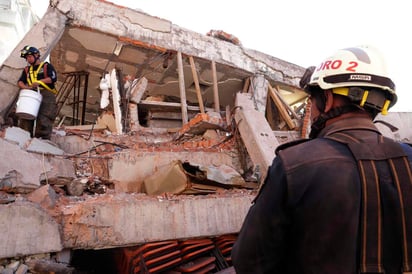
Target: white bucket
x=28 y=104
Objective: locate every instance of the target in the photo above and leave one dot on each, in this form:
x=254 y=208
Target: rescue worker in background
x=340 y=202
x=39 y=75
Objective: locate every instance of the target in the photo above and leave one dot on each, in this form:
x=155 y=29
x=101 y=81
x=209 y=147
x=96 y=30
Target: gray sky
x=300 y=31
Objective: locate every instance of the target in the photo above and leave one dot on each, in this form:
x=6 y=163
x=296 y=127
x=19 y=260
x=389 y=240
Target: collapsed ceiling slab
x=98 y=36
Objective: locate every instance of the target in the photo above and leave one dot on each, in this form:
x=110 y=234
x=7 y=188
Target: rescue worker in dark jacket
x=340 y=202
x=42 y=76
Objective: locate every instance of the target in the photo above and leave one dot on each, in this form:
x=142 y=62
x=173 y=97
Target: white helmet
x=362 y=67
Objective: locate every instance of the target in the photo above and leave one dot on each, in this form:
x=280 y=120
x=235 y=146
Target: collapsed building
x=162 y=141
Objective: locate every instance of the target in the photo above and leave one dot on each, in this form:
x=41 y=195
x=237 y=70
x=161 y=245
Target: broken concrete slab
x=201 y=123
x=256 y=133
x=185 y=178
x=223 y=174
x=43 y=147
x=25 y=170
x=48 y=266
x=22 y=138
x=37 y=232
x=129 y=167
x=169 y=179
x=44 y=196
x=73 y=144
x=18 y=135
x=6 y=198
x=127 y=219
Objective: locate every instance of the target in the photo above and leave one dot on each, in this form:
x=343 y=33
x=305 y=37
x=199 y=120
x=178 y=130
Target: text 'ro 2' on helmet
x=359 y=73
x=28 y=50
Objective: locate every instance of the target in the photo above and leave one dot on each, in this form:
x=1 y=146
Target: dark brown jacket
x=306 y=218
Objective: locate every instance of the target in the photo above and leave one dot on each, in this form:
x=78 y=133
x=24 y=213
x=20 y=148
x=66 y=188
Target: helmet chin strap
x=320 y=121
x=36 y=57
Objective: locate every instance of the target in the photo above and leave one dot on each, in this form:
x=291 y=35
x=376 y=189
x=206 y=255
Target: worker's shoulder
x=407 y=147
x=317 y=149
x=291 y=144
x=301 y=144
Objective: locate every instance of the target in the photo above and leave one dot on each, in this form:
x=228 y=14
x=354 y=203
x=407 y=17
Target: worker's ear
x=328 y=100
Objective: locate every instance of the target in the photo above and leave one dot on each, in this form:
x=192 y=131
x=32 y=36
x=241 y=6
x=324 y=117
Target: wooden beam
x=196 y=80
x=271 y=112
x=283 y=112
x=182 y=88
x=246 y=85
x=167 y=105
x=215 y=89
x=287 y=105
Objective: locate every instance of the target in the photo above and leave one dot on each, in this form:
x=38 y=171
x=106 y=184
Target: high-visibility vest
x=32 y=77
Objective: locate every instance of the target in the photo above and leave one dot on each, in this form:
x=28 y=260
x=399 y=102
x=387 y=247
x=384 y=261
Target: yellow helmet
x=359 y=73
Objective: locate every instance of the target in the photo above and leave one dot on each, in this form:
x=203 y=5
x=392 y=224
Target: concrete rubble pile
x=49 y=191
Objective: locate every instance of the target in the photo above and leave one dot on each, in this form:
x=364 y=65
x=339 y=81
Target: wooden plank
x=196 y=81
x=169 y=105
x=287 y=105
x=283 y=112
x=215 y=88
x=246 y=85
x=182 y=87
x=271 y=112
x=85 y=127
